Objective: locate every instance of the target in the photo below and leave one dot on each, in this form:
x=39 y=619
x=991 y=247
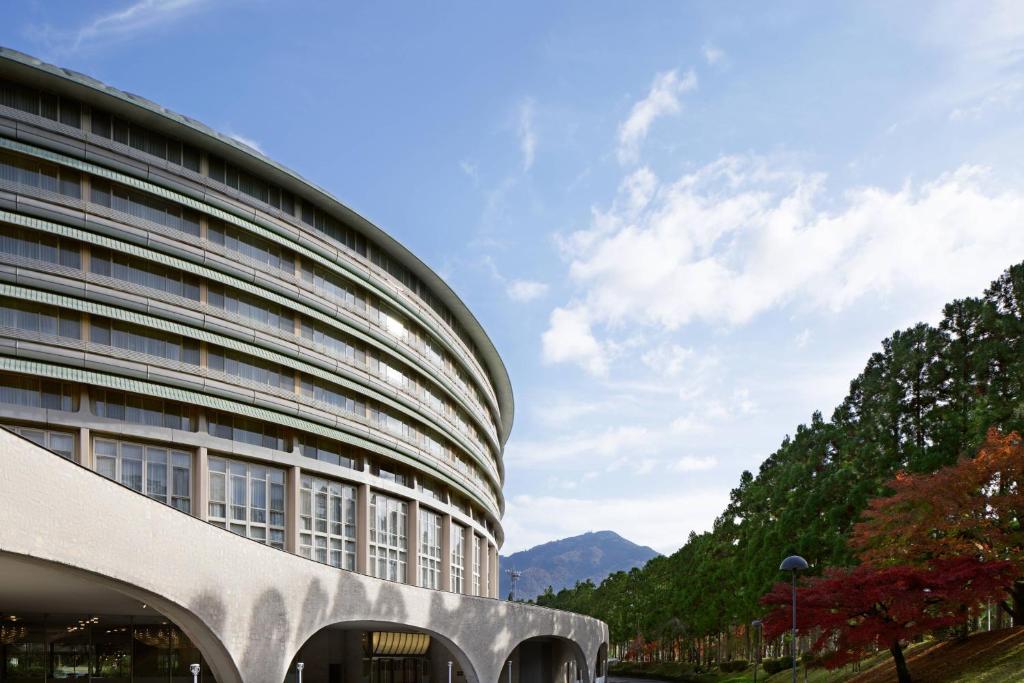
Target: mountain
x=560 y=564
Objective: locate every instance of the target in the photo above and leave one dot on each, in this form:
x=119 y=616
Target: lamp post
x=194 y=668
x=794 y=564
x=510 y=671
x=449 y=671
x=299 y=667
x=756 y=624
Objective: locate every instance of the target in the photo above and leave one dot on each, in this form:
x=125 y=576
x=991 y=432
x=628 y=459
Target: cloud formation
x=117 y=25
x=661 y=100
x=527 y=134
x=740 y=236
x=525 y=291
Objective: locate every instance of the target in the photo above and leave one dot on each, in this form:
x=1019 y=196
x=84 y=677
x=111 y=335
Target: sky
x=684 y=225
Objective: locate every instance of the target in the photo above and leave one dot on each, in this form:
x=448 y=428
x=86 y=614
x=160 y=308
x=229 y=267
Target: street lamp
x=299 y=667
x=509 y=671
x=756 y=624
x=449 y=671
x=194 y=668
x=794 y=564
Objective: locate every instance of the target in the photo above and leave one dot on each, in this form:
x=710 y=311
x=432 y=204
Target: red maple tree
x=856 y=611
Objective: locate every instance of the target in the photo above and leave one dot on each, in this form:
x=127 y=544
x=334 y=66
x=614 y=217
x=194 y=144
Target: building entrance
x=400 y=670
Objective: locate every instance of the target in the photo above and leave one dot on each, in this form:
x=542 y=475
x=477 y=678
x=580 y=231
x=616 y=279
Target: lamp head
x=756 y=623
x=300 y=666
x=194 y=668
x=793 y=563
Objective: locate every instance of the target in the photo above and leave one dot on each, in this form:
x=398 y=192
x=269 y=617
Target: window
x=40 y=318
x=324 y=450
x=251 y=369
x=228 y=174
x=342 y=291
x=146 y=141
x=324 y=393
x=430 y=549
x=245 y=430
x=144 y=273
x=327 y=522
x=458 y=558
x=40 y=246
x=28 y=172
x=33 y=392
x=333 y=342
x=477 y=563
x=388 y=537
x=122 y=335
x=145 y=206
x=61 y=443
x=254 y=308
x=43 y=104
x=160 y=473
x=248 y=500
x=251 y=246
x=142 y=410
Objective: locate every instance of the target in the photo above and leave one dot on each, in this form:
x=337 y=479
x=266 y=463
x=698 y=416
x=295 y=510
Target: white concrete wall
x=248 y=607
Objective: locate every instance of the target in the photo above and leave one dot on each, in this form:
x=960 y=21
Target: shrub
x=774 y=666
x=735 y=666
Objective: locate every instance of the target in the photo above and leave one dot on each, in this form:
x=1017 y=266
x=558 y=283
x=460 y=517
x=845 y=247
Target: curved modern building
x=259 y=373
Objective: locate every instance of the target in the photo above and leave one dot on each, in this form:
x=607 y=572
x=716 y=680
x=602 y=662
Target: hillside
x=560 y=564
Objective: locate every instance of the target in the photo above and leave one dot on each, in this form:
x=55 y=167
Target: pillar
x=412 y=544
x=492 y=553
x=485 y=569
x=201 y=484
x=467 y=560
x=446 y=552
x=291 y=506
x=85 y=448
x=363 y=529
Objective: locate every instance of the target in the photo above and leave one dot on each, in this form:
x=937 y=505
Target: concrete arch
x=531 y=664
x=462 y=659
x=193 y=625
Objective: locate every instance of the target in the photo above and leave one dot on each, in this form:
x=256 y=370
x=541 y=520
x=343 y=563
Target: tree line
x=923 y=406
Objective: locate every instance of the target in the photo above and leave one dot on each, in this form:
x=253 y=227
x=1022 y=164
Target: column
x=412 y=553
x=467 y=560
x=85 y=448
x=291 y=505
x=201 y=484
x=493 y=561
x=446 y=552
x=485 y=569
x=363 y=529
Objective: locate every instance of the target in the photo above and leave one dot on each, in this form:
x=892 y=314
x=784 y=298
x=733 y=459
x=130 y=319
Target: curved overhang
x=28 y=69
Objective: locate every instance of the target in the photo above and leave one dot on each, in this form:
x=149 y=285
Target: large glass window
x=40 y=246
x=327 y=522
x=249 y=245
x=34 y=317
x=249 y=368
x=61 y=443
x=321 y=391
x=263 y=312
x=144 y=273
x=333 y=342
x=430 y=549
x=33 y=392
x=234 y=177
x=325 y=450
x=388 y=537
x=247 y=499
x=458 y=571
x=162 y=474
x=140 y=339
x=245 y=430
x=342 y=291
x=144 y=206
x=29 y=172
x=142 y=410
x=147 y=141
x=44 y=104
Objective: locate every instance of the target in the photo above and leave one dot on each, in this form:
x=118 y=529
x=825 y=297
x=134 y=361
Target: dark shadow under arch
x=545 y=659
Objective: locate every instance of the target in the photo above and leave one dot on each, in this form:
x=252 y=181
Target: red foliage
x=858 y=610
x=973 y=508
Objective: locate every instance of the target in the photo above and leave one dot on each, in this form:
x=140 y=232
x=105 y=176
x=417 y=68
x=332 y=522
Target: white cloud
x=471 y=170
x=691 y=463
x=661 y=100
x=738 y=237
x=569 y=339
x=712 y=54
x=590 y=446
x=802 y=339
x=527 y=133
x=248 y=142
x=662 y=522
x=526 y=290
x=128 y=22
x=667 y=360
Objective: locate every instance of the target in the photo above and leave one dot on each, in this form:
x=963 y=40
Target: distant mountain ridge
x=560 y=564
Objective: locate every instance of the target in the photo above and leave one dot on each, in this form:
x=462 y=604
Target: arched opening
x=601 y=664
x=546 y=659
x=61 y=623
x=379 y=652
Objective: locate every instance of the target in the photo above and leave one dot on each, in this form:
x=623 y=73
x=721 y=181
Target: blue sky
x=684 y=225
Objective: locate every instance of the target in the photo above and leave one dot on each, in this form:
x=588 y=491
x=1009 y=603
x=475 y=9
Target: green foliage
x=774 y=666
x=925 y=398
x=735 y=666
